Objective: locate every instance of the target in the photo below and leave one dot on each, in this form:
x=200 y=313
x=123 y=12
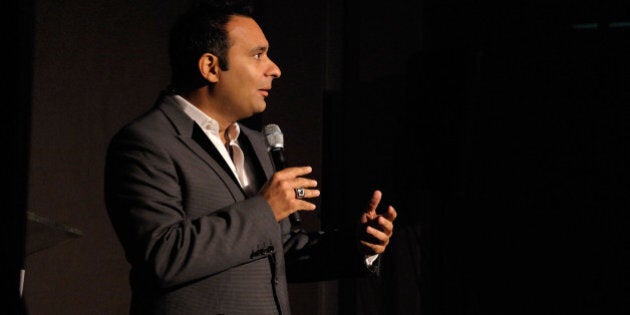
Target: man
x=203 y=233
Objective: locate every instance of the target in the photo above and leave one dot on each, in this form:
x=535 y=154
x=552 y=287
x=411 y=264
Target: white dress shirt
x=211 y=128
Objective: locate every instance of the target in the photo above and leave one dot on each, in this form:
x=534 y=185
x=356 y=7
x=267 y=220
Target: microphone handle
x=295 y=218
x=280 y=162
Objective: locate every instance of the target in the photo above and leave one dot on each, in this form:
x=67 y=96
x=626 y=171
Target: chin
x=261 y=108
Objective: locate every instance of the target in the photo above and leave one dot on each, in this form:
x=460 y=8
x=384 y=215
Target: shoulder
x=163 y=121
x=146 y=126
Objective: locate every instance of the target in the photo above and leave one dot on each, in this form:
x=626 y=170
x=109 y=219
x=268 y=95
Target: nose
x=274 y=70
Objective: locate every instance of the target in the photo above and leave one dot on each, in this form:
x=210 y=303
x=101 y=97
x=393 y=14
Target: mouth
x=264 y=92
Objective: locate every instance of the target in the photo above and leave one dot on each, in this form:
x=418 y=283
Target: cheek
x=242 y=80
x=234 y=86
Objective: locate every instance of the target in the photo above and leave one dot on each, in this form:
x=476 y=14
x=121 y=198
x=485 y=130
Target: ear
x=209 y=67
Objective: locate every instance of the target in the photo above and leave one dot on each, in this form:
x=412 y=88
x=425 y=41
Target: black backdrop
x=504 y=147
x=15 y=113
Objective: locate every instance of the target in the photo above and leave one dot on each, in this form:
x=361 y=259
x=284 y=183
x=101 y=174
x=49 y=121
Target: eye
x=258 y=55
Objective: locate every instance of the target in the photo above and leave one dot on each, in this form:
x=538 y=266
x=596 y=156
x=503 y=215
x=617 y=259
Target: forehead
x=245 y=32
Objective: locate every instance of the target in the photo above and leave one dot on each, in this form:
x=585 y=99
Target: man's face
x=242 y=88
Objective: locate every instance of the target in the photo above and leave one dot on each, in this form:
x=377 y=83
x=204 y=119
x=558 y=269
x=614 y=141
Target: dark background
x=499 y=132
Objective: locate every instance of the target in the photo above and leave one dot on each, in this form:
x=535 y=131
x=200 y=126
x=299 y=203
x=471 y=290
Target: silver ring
x=299 y=193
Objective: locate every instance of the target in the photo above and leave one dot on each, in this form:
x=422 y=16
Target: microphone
x=275 y=145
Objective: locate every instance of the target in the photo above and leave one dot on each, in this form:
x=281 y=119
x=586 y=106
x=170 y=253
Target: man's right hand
x=280 y=191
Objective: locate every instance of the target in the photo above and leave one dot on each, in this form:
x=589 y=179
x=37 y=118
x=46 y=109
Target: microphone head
x=274 y=136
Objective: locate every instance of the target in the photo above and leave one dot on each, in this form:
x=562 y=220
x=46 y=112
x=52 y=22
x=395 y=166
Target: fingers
x=291 y=178
x=292 y=172
x=300 y=203
x=306 y=192
x=374 y=201
x=372 y=249
x=381 y=228
x=293 y=181
x=303 y=183
x=377 y=228
x=370 y=211
x=391 y=214
x=288 y=191
x=377 y=237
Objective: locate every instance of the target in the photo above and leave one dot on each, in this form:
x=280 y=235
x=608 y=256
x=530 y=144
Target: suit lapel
x=202 y=140
x=260 y=150
x=194 y=138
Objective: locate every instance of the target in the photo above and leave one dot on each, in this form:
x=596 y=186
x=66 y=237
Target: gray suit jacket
x=195 y=242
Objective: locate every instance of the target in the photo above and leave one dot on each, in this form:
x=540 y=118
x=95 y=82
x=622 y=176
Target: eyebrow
x=260 y=49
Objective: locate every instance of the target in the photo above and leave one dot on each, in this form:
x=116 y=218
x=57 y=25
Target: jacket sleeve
x=325 y=255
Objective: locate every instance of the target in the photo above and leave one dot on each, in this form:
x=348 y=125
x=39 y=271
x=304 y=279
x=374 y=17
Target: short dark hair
x=200 y=30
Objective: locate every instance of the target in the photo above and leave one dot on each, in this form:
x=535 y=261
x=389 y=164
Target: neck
x=202 y=100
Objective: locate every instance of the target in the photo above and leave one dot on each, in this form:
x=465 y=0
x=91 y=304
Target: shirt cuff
x=369 y=260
